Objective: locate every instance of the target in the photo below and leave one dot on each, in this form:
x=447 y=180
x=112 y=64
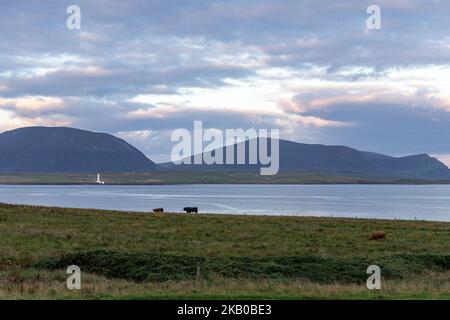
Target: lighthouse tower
x=98 y=179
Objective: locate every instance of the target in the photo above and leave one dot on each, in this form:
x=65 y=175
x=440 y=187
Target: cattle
x=158 y=210
x=191 y=209
x=377 y=235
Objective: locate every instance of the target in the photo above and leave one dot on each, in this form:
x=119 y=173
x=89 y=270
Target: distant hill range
x=64 y=150
x=69 y=150
x=338 y=160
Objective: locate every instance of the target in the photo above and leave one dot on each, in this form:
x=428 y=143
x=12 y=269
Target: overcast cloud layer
x=139 y=69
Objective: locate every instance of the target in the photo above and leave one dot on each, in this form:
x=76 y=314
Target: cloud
x=444 y=158
x=396 y=129
x=311 y=68
x=32 y=104
x=9 y=121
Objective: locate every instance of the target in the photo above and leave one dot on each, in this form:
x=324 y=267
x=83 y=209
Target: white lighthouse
x=98 y=179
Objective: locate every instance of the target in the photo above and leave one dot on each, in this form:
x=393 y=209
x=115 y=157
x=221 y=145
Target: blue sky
x=140 y=69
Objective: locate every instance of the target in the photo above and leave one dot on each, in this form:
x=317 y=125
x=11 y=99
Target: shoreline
x=217 y=214
x=207 y=177
x=437 y=183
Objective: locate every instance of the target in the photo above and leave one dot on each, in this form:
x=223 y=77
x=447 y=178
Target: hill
x=68 y=150
x=64 y=150
x=341 y=160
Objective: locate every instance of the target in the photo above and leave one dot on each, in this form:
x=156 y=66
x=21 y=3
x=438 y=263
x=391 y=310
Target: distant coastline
x=195 y=177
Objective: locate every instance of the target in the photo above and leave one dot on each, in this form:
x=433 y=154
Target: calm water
x=366 y=201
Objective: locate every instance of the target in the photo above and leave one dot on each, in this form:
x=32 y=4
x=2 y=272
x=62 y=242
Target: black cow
x=191 y=209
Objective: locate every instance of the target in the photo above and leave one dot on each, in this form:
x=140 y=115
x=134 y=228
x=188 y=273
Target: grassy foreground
x=159 y=256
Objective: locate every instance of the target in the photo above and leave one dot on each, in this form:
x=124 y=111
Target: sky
x=311 y=68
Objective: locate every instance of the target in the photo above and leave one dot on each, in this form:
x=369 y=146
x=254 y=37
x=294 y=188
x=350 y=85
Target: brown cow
x=377 y=235
x=158 y=210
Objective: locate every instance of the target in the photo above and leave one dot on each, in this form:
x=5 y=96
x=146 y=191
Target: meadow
x=169 y=256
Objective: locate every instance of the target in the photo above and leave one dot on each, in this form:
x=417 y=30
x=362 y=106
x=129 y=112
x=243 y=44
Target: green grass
x=141 y=267
x=141 y=255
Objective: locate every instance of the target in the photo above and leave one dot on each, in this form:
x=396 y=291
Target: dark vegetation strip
x=156 y=267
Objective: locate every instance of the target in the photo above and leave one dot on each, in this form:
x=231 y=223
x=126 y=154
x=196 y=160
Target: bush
x=157 y=267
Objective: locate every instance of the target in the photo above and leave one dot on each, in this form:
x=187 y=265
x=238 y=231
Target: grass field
x=159 y=256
